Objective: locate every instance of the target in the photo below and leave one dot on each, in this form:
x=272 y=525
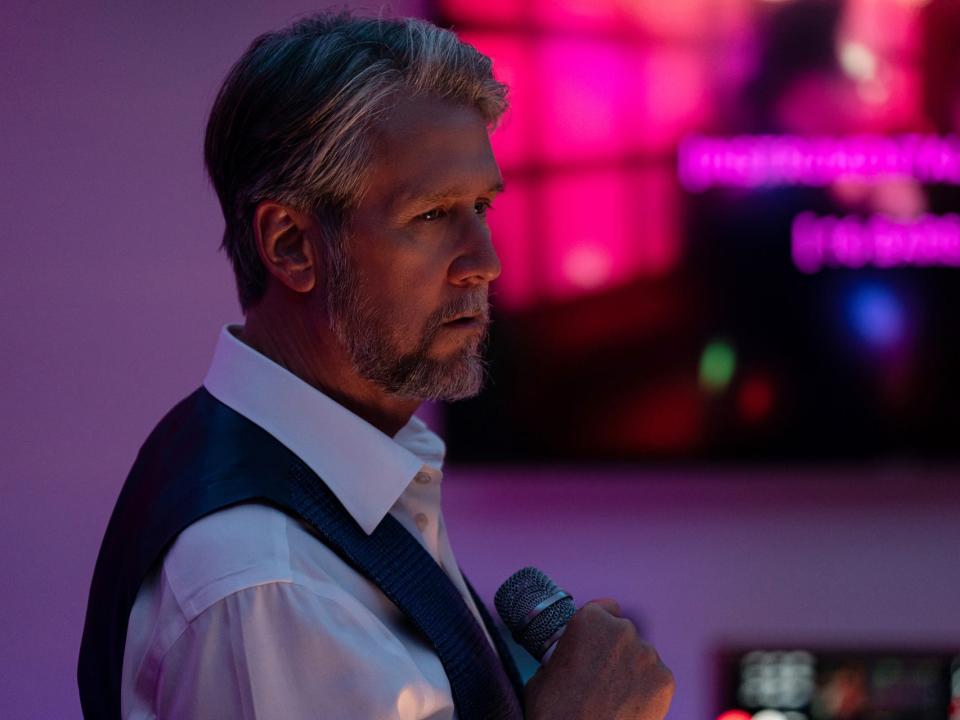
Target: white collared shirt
x=250 y=616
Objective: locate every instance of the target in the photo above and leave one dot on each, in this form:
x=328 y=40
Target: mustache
x=476 y=303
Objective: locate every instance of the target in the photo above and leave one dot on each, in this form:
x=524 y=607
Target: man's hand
x=600 y=670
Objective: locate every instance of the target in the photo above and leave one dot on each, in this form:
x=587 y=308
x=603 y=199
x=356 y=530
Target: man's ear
x=282 y=235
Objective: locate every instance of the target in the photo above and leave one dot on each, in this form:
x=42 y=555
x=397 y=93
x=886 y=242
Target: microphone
x=535 y=611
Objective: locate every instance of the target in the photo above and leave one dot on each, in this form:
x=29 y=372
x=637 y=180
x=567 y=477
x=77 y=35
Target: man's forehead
x=433 y=191
x=414 y=115
x=431 y=148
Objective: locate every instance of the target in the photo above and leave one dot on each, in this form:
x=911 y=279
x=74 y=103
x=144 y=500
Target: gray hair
x=295 y=119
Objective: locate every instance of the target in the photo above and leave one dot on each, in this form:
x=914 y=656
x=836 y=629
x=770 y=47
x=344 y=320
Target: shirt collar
x=365 y=468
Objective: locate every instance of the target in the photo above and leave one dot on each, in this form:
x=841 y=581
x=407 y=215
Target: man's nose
x=477 y=261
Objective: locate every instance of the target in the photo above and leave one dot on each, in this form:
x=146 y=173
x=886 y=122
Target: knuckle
x=663 y=682
x=580 y=617
x=648 y=660
x=580 y=622
x=590 y=614
x=667 y=680
x=626 y=631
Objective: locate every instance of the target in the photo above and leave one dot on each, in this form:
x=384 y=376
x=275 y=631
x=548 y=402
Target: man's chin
x=440 y=380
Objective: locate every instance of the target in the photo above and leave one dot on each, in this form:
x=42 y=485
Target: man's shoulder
x=235 y=548
x=253 y=544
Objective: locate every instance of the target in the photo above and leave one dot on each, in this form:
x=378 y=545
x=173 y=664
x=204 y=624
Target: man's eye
x=482 y=207
x=434 y=214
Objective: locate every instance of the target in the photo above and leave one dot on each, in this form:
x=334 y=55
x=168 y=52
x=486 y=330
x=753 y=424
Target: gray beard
x=368 y=336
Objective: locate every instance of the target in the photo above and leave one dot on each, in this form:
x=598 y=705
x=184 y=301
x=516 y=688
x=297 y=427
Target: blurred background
x=642 y=320
x=724 y=385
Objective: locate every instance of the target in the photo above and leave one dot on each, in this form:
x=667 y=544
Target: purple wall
x=735 y=557
x=112 y=294
x=112 y=290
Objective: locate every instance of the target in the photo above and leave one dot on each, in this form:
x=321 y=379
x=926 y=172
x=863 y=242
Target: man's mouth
x=465 y=320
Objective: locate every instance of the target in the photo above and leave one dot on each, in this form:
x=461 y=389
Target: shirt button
x=422 y=478
x=422 y=521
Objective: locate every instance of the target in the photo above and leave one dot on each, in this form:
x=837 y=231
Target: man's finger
x=608 y=604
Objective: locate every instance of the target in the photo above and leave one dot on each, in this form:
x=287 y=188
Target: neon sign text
x=766 y=160
x=828 y=241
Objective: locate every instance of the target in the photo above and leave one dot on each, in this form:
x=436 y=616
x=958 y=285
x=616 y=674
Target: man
x=281 y=529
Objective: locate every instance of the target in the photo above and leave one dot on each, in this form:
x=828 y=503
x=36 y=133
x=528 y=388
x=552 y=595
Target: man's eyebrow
x=437 y=195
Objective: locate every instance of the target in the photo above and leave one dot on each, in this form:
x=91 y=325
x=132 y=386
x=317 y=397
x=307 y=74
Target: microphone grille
x=518 y=598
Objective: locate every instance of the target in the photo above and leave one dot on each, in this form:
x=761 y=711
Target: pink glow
x=602 y=228
x=585 y=232
x=599 y=229
x=513 y=233
x=880 y=241
x=503 y=11
x=888 y=27
x=579 y=15
x=512 y=65
x=674 y=19
x=677 y=19
x=585 y=90
x=753 y=161
x=611 y=99
x=588 y=265
x=672 y=97
x=655 y=199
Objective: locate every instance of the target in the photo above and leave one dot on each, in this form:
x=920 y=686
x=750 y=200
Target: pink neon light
x=585 y=232
x=677 y=19
x=503 y=11
x=751 y=161
x=828 y=241
x=512 y=228
x=512 y=65
x=671 y=93
x=734 y=715
x=588 y=105
x=602 y=228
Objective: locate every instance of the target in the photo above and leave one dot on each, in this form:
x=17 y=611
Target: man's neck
x=314 y=354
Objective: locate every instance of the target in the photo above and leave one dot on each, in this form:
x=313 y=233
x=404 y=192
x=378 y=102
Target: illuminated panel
x=584 y=87
x=512 y=65
x=579 y=15
x=610 y=99
x=839 y=685
x=754 y=161
x=875 y=42
x=512 y=230
x=886 y=26
x=598 y=102
x=600 y=228
x=828 y=241
x=584 y=231
x=777 y=679
x=654 y=199
x=677 y=19
x=489 y=11
x=670 y=96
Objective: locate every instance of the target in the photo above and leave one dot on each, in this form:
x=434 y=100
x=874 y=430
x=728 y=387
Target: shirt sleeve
x=282 y=650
